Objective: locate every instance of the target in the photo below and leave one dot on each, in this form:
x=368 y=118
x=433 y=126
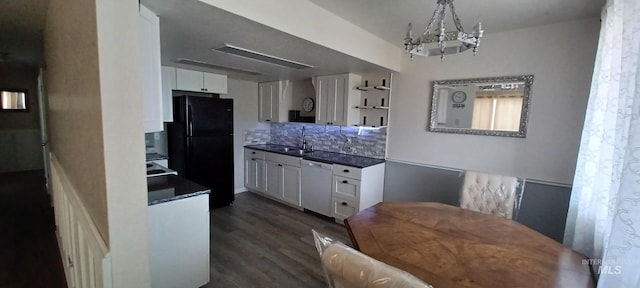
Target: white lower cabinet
x=179 y=246
x=275 y=175
x=292 y=184
x=343 y=208
x=280 y=177
x=254 y=170
x=355 y=189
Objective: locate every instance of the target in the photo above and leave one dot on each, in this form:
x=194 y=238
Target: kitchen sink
x=297 y=151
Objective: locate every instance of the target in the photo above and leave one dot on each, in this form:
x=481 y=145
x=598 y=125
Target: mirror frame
x=27 y=107
x=524 y=115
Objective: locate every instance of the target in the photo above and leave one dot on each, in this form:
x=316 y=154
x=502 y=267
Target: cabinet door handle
x=344 y=203
x=268 y=120
x=253 y=159
x=345 y=170
x=205 y=89
x=279 y=165
x=345 y=181
x=253 y=152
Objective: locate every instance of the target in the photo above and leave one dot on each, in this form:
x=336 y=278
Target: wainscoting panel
x=84 y=252
x=544 y=206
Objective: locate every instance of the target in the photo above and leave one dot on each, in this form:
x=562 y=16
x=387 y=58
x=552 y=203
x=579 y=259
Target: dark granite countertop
x=321 y=156
x=172 y=187
x=156 y=156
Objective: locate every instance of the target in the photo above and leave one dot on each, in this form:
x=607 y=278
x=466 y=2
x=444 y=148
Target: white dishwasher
x=316 y=186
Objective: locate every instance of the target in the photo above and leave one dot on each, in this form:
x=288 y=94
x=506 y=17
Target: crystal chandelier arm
x=417 y=46
x=456 y=20
x=439 y=10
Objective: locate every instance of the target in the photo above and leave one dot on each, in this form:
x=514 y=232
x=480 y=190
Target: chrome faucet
x=304 y=141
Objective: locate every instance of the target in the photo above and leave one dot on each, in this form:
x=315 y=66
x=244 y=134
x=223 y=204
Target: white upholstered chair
x=346 y=267
x=492 y=194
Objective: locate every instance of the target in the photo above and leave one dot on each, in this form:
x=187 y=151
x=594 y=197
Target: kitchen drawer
x=283 y=159
x=343 y=208
x=250 y=153
x=347 y=171
x=346 y=188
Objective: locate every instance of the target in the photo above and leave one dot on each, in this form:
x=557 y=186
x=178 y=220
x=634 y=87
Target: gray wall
x=559 y=98
x=543 y=208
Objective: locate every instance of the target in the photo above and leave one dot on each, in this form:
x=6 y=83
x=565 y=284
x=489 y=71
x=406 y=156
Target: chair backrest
x=492 y=194
x=347 y=268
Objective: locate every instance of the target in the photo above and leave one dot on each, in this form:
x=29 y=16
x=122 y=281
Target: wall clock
x=458 y=97
x=307 y=104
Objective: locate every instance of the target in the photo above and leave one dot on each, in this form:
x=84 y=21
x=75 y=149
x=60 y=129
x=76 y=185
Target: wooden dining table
x=447 y=246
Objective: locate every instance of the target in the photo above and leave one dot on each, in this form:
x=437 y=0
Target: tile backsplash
x=369 y=142
x=257 y=136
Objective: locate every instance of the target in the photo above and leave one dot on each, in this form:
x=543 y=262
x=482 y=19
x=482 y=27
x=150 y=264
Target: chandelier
x=468 y=40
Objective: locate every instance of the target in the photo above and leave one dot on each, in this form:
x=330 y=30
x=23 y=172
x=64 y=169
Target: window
x=499 y=112
x=13 y=100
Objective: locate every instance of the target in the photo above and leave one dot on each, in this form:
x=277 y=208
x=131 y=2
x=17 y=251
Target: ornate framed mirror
x=497 y=106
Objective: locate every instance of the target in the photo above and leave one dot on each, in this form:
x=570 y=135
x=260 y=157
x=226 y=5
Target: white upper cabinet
x=215 y=83
x=168 y=85
x=190 y=80
x=337 y=98
x=150 y=70
x=275 y=101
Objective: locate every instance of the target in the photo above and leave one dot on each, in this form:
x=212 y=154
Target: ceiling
x=389 y=19
x=190 y=29
x=21 y=31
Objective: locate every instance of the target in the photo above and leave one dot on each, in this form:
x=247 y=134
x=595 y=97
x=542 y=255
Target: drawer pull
x=253 y=159
x=345 y=181
x=279 y=165
x=344 y=203
x=345 y=170
x=253 y=152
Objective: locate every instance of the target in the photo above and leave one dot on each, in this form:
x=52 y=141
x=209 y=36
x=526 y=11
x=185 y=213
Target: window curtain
x=497 y=113
x=604 y=212
x=482 y=113
x=508 y=110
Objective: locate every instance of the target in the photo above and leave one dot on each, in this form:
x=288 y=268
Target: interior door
x=44 y=136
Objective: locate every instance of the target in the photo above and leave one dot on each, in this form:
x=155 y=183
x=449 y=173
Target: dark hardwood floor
x=258 y=242
x=29 y=255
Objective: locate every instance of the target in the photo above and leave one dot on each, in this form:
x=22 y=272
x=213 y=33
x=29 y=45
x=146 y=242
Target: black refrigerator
x=200 y=144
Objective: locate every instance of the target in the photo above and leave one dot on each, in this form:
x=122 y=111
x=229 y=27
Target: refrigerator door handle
x=189 y=121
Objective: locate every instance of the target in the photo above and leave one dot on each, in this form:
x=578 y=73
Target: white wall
x=123 y=133
x=245 y=116
x=560 y=56
x=334 y=32
x=303 y=89
x=96 y=128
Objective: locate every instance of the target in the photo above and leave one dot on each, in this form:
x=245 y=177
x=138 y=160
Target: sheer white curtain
x=604 y=213
x=508 y=110
x=482 y=113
